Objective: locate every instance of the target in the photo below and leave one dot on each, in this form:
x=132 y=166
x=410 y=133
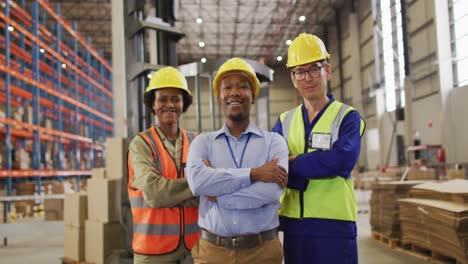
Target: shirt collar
x=251 y=128
x=164 y=138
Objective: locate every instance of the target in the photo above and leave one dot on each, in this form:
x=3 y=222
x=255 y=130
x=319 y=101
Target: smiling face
x=235 y=96
x=168 y=105
x=311 y=88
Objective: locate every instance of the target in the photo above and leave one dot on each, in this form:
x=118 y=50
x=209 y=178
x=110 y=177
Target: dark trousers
x=306 y=249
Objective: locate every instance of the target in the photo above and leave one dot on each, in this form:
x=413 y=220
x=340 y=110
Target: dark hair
x=150 y=96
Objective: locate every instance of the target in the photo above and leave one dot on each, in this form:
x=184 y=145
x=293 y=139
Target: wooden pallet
x=414 y=250
x=66 y=260
x=427 y=254
x=388 y=241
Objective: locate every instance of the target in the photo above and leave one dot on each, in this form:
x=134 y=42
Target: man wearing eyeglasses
x=318 y=209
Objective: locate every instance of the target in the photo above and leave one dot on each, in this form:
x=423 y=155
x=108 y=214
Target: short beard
x=238 y=118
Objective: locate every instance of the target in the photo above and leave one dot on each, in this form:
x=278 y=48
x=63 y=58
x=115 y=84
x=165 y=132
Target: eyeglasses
x=313 y=72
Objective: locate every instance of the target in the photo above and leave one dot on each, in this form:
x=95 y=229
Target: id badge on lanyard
x=320 y=141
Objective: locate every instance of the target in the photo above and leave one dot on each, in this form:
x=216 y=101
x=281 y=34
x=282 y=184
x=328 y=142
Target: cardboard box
x=455 y=174
x=101 y=239
x=53 y=209
x=104 y=200
x=76 y=209
x=99 y=173
x=116 y=158
x=30 y=115
x=52 y=187
x=74 y=243
x=26 y=188
x=24 y=208
x=2 y=219
x=53 y=215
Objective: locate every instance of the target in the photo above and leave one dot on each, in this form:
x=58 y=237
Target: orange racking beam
x=24 y=134
x=25 y=56
x=65 y=81
x=55 y=54
x=19 y=13
x=47 y=103
x=52 y=92
x=44 y=130
x=42 y=173
x=74 y=34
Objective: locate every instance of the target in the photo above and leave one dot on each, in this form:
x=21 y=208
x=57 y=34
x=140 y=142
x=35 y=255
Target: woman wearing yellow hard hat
x=165 y=213
x=318 y=208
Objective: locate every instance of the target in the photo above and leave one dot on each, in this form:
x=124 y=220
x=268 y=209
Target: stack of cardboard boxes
x=93 y=236
x=421 y=174
x=76 y=212
x=455 y=174
x=103 y=231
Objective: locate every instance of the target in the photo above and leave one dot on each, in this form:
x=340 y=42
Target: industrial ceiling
x=253 y=29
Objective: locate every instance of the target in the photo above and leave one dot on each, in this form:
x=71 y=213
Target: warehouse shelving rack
x=60 y=86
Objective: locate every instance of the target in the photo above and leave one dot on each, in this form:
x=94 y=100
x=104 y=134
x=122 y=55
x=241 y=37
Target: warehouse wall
x=283 y=95
x=457 y=126
x=361 y=90
x=423 y=79
x=189 y=119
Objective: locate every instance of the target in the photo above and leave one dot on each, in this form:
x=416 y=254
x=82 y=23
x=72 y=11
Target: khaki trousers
x=180 y=256
x=269 y=252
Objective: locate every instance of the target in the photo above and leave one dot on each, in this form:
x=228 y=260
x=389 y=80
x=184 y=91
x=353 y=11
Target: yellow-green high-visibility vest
x=330 y=198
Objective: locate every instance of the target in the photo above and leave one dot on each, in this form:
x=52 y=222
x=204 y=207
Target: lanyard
x=243 y=151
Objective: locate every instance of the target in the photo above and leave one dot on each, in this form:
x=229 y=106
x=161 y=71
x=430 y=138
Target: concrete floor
x=41 y=242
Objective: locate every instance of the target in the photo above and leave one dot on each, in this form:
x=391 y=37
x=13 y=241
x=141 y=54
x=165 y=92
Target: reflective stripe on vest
x=331 y=198
x=160 y=230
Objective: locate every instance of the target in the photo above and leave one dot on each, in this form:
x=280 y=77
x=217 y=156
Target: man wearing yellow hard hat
x=318 y=209
x=165 y=212
x=239 y=172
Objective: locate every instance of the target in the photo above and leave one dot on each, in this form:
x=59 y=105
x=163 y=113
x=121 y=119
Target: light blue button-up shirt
x=242 y=207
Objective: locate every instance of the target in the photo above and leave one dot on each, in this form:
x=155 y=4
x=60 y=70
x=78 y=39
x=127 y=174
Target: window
x=394 y=82
x=459 y=29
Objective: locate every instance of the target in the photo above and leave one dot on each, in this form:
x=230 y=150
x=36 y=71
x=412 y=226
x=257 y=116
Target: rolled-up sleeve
x=259 y=194
x=204 y=180
x=157 y=191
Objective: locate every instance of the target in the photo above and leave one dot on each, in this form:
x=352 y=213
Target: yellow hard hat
x=168 y=77
x=306 y=48
x=236 y=64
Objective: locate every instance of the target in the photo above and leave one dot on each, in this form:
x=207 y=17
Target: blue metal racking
x=48 y=65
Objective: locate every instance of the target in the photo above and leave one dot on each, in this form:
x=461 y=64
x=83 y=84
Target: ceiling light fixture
x=203 y=60
x=64 y=65
x=41 y=50
x=302 y=18
x=149 y=75
x=279 y=58
x=201 y=44
x=199 y=20
x=288 y=42
x=10 y=28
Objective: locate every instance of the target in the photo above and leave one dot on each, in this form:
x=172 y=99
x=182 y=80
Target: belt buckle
x=235 y=241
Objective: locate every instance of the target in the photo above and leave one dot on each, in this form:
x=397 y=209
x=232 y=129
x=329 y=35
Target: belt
x=239 y=242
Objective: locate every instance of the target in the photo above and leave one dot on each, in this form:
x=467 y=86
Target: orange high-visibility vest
x=160 y=230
